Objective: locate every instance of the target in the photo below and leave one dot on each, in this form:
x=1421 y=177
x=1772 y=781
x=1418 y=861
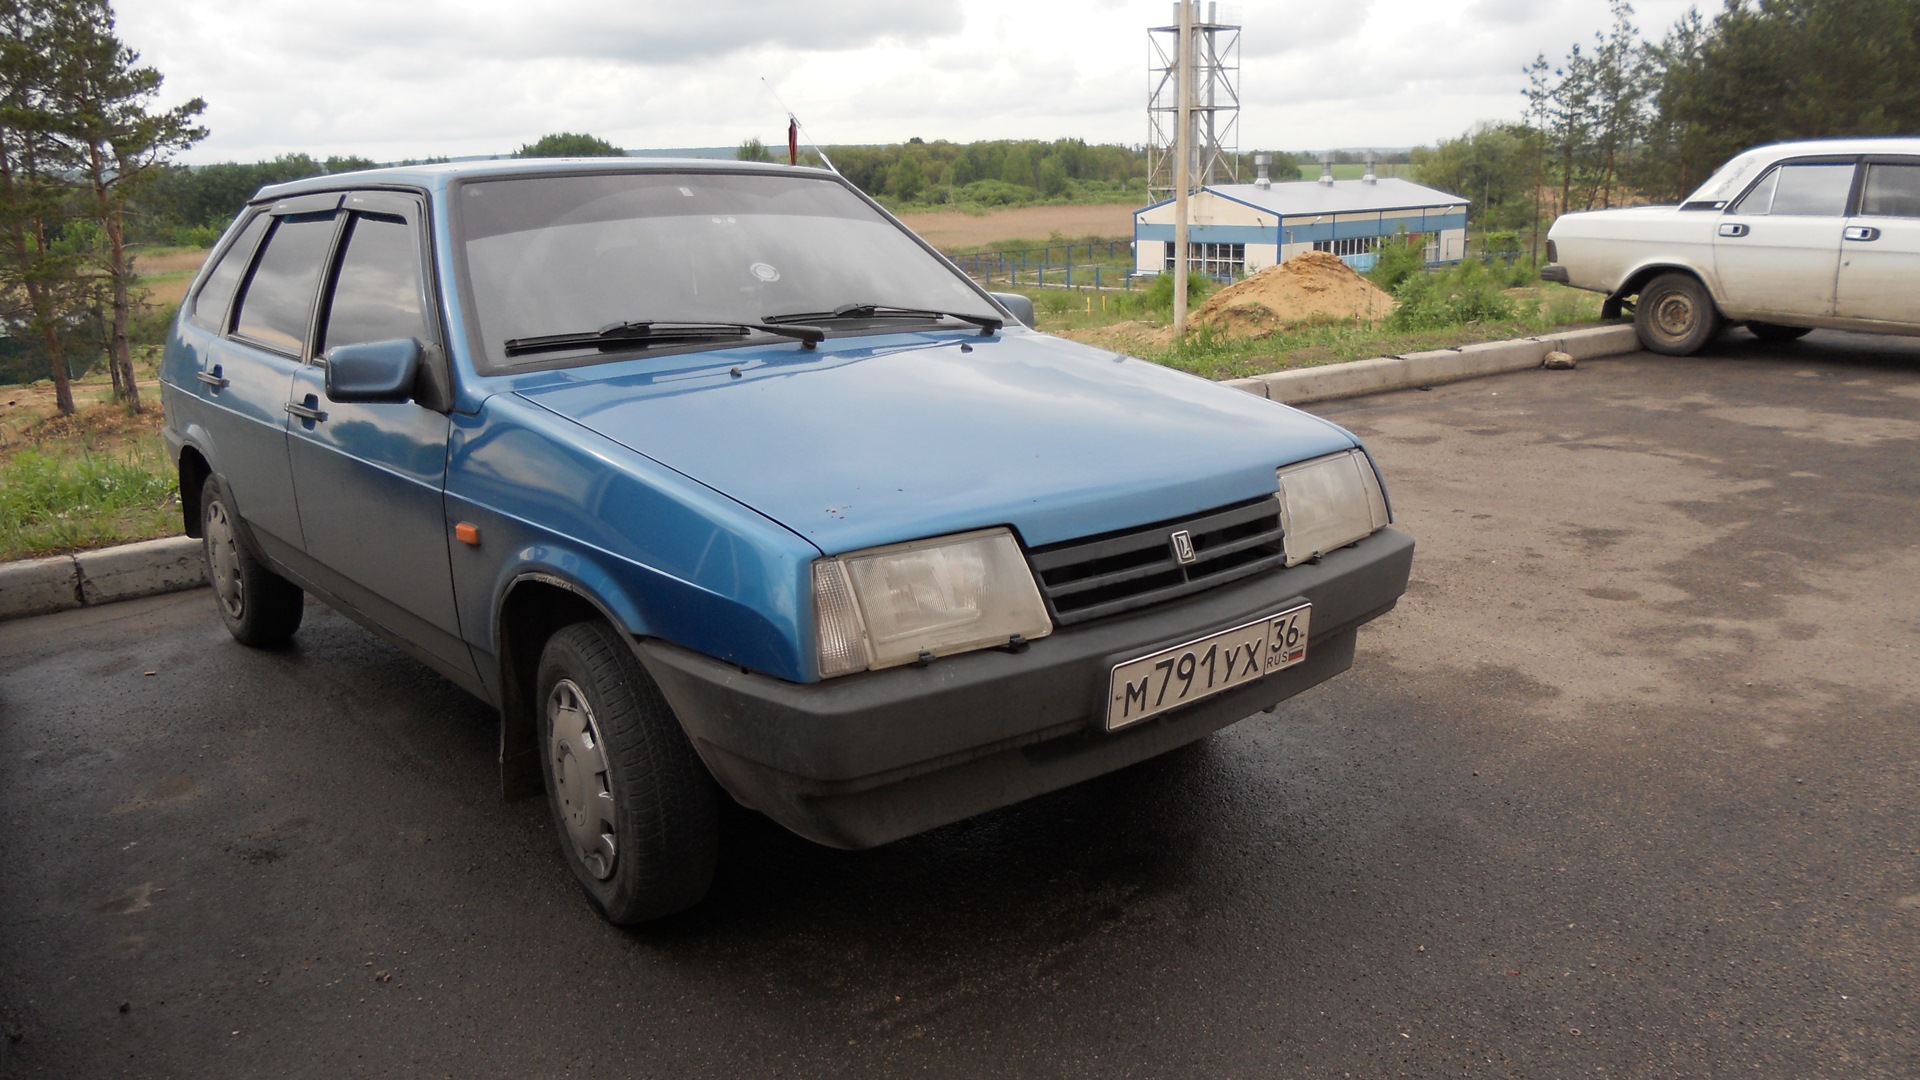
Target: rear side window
x=377 y=294
x=211 y=302
x=1811 y=190
x=278 y=302
x=1891 y=191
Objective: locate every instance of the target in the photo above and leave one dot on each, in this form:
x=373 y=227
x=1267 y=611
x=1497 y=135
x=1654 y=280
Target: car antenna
x=794 y=130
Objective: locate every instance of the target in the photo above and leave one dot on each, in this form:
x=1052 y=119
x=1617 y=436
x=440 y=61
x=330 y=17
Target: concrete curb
x=43 y=586
x=1383 y=373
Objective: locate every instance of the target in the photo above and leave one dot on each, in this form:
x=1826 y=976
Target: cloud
x=393 y=80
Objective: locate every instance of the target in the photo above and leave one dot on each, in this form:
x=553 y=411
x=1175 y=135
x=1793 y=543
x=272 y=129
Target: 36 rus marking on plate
x=1167 y=679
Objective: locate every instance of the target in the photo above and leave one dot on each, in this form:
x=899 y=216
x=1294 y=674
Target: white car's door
x=1777 y=251
x=1880 y=249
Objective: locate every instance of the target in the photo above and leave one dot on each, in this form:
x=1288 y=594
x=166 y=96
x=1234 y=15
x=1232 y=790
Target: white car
x=1782 y=238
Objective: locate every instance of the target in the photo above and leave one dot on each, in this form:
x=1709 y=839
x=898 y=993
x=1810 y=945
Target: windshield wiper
x=647 y=333
x=987 y=323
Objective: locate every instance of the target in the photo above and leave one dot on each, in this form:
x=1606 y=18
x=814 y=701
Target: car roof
x=443 y=174
x=1898 y=144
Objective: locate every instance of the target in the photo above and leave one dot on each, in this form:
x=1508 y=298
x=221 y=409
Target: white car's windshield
x=1730 y=179
x=570 y=255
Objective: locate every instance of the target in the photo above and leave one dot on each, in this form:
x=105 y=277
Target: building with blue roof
x=1239 y=229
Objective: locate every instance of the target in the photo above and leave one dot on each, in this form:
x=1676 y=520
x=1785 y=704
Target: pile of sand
x=1308 y=288
x=1127 y=336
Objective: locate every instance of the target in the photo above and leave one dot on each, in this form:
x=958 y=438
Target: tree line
x=79 y=138
x=1622 y=119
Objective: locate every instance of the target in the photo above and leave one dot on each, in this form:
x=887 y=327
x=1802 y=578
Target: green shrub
x=996 y=193
x=1465 y=293
x=1400 y=257
x=149 y=325
x=1159 y=295
x=200 y=236
x=1055 y=301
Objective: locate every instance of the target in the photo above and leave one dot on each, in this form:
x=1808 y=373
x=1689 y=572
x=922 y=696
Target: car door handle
x=307 y=410
x=1862 y=232
x=213 y=378
x=1733 y=228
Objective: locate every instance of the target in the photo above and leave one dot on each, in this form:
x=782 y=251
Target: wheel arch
x=533 y=607
x=1638 y=279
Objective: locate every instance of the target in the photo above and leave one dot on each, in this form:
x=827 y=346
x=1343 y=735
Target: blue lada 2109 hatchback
x=718 y=481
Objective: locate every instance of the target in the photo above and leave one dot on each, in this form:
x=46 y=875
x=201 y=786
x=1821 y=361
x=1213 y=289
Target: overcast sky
x=389 y=79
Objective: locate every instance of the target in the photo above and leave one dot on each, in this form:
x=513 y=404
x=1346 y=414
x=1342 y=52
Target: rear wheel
x=1675 y=315
x=260 y=607
x=637 y=813
x=1767 y=331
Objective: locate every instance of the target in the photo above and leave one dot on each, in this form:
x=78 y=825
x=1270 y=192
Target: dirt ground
x=953 y=229
x=187 y=259
x=28 y=417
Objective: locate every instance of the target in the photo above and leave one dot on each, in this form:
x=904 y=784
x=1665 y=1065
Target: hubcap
x=223 y=561
x=580 y=781
x=1674 y=315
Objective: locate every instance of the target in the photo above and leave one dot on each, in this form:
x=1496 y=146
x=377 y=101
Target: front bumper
x=865 y=759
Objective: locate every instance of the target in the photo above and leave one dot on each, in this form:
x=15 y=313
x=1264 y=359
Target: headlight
x=1328 y=503
x=885 y=606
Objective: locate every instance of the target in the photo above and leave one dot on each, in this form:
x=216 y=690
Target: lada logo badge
x=1183 y=547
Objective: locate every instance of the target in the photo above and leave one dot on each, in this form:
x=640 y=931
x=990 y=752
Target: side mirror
x=1020 y=307
x=376 y=371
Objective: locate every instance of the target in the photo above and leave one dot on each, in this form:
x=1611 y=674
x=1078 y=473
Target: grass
x=1538 y=310
x=97 y=478
x=1217 y=357
x=59 y=502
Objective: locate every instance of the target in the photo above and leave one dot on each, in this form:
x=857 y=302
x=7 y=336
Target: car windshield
x=1730 y=179
x=564 y=255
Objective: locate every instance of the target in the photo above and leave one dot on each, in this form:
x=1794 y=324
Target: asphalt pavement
x=1624 y=787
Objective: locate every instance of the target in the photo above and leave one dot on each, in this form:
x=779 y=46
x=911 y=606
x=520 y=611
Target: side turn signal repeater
x=467 y=533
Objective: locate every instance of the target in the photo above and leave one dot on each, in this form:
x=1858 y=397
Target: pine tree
x=103 y=100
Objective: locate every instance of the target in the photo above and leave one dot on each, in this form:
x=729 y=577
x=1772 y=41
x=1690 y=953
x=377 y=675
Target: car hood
x=873 y=440
x=1584 y=221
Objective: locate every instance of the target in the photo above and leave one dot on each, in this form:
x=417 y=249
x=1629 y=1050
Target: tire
x=1675 y=316
x=638 y=815
x=260 y=608
x=1767 y=331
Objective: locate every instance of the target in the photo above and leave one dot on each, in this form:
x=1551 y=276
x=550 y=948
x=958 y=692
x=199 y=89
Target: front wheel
x=638 y=815
x=1767 y=331
x=259 y=607
x=1675 y=315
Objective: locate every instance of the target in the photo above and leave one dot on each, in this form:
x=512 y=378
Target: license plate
x=1186 y=673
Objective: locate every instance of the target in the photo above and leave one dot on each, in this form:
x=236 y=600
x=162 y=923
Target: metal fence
x=1101 y=264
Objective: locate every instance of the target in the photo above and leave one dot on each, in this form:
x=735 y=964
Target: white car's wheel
x=1675 y=315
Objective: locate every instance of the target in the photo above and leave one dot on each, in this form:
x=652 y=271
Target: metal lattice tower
x=1216 y=101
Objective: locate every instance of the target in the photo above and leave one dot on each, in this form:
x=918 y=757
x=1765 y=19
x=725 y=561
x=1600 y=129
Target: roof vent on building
x=1370 y=178
x=1260 y=179
x=1326 y=168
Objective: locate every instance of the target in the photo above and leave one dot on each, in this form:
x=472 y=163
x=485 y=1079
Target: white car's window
x=1812 y=190
x=1730 y=179
x=1891 y=191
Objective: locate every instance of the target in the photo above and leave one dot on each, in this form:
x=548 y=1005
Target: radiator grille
x=1106 y=575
